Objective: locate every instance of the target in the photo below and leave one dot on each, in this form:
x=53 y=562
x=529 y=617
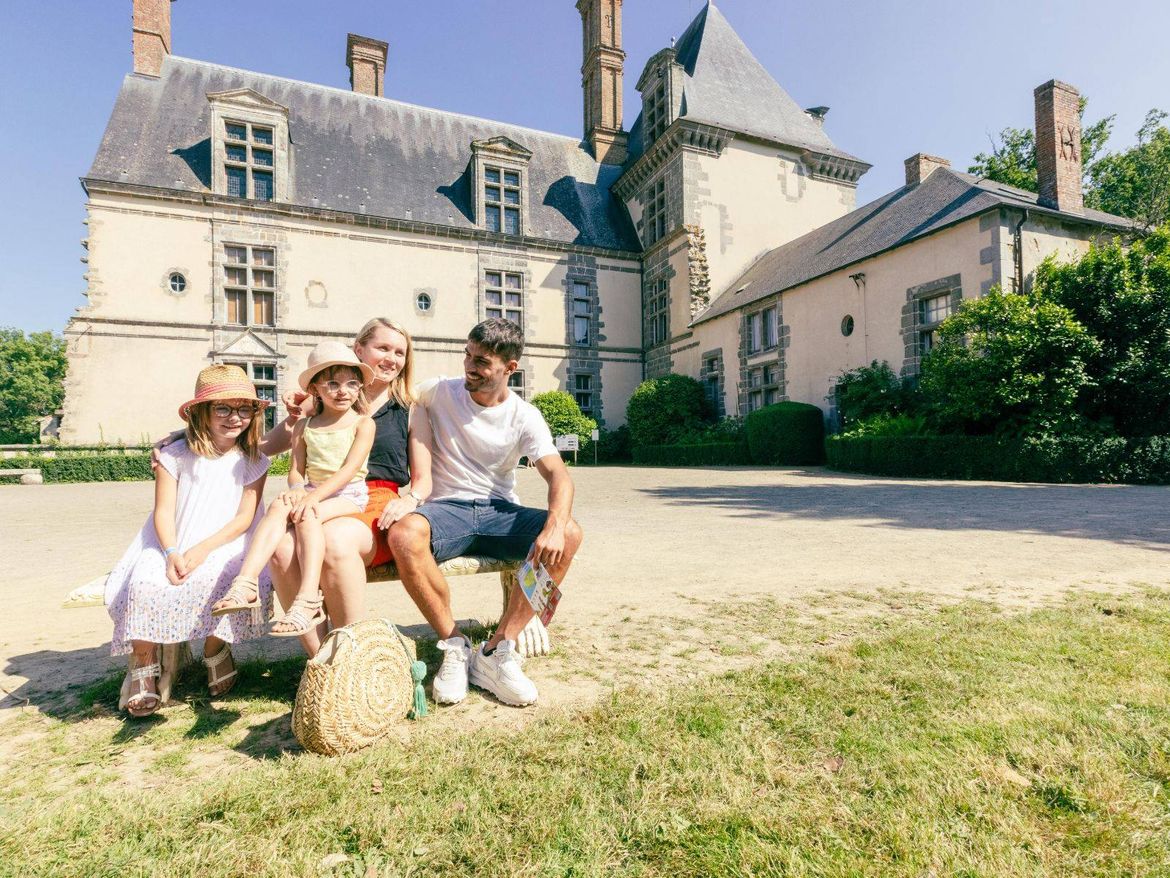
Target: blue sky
x=900 y=76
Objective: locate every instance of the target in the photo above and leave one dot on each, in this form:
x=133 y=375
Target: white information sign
x=595 y=435
x=567 y=443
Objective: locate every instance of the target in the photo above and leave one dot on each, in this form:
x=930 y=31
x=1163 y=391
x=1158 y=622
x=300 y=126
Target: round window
x=178 y=283
x=423 y=302
x=847 y=325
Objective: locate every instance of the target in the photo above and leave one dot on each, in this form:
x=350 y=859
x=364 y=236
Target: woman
x=353 y=543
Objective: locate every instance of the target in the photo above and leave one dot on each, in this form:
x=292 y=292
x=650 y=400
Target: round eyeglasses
x=348 y=386
x=243 y=412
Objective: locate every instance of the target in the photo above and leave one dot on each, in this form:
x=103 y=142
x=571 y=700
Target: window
x=583 y=392
x=658 y=309
x=847 y=325
x=770 y=328
x=263 y=375
x=250 y=285
x=178 y=283
x=755 y=332
x=423 y=302
x=654 y=221
x=932 y=311
x=655 y=116
x=761 y=331
x=712 y=382
x=501 y=200
x=763 y=386
x=516 y=383
x=581 y=313
x=248 y=160
x=503 y=293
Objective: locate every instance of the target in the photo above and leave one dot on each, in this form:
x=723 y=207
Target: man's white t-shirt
x=476 y=448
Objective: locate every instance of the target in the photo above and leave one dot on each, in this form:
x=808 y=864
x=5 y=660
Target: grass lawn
x=971 y=742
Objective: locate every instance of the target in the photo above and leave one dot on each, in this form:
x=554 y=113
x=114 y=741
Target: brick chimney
x=152 y=35
x=1058 y=146
x=366 y=58
x=601 y=78
x=920 y=166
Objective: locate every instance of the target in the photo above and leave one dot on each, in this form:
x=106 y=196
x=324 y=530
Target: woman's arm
x=165 y=493
x=359 y=453
x=418 y=449
x=238 y=524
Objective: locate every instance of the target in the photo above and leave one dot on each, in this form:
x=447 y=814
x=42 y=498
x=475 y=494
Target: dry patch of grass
x=967 y=742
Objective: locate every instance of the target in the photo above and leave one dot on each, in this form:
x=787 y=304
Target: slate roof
x=348 y=149
x=946 y=197
x=724 y=85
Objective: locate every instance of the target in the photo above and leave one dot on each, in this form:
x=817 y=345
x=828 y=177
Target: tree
x=663 y=410
x=1121 y=295
x=1136 y=182
x=1008 y=364
x=563 y=415
x=1012 y=159
x=868 y=391
x=32 y=382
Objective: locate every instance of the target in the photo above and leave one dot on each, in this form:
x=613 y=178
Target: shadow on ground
x=1126 y=515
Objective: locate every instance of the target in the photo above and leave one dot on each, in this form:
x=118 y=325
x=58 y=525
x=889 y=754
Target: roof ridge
x=360 y=96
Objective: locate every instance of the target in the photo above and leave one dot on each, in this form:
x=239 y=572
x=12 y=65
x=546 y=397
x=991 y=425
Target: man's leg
x=410 y=541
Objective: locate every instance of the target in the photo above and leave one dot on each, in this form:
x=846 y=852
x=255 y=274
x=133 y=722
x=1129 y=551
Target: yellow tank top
x=325 y=452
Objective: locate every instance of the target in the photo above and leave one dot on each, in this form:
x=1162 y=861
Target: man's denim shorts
x=495 y=528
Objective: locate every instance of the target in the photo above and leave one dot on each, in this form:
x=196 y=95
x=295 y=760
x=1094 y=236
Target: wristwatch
x=416 y=497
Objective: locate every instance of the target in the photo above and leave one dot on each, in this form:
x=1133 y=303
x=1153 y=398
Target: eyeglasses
x=244 y=412
x=348 y=386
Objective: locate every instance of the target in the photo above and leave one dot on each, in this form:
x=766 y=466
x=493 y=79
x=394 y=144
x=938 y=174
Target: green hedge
x=786 y=434
x=85 y=467
x=1039 y=459
x=705 y=454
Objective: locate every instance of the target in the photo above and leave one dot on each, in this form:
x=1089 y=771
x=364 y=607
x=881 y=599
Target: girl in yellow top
x=326 y=480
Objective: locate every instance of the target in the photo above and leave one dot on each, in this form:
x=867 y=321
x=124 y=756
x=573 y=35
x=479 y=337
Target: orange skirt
x=381 y=493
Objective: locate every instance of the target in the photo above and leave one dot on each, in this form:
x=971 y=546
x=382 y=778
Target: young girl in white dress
x=326 y=480
x=207 y=498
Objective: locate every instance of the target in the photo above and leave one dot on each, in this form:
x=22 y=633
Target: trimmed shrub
x=786 y=434
x=890 y=425
x=614 y=446
x=663 y=410
x=705 y=454
x=563 y=416
x=108 y=467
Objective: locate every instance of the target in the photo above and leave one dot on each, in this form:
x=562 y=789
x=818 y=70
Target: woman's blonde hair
x=359 y=404
x=199 y=431
x=402 y=387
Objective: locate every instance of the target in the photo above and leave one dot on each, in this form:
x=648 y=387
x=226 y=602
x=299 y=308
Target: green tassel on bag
x=418 y=673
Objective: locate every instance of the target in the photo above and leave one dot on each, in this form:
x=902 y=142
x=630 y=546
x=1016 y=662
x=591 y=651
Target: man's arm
x=550 y=544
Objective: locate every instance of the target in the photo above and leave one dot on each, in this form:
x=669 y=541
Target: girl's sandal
x=243 y=595
x=304 y=615
x=214 y=678
x=143 y=703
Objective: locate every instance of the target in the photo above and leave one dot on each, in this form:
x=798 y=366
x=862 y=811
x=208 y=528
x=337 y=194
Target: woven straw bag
x=361 y=682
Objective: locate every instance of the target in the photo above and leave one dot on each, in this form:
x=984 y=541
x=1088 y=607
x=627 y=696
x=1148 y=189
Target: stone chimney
x=920 y=166
x=1058 y=146
x=601 y=78
x=366 y=58
x=152 y=35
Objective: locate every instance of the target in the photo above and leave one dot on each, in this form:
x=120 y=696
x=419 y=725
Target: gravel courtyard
x=683 y=571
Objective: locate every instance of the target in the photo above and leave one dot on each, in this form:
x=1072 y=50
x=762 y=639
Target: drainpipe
x=859 y=282
x=1018 y=244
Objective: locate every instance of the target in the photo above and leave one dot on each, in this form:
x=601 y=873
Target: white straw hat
x=333 y=353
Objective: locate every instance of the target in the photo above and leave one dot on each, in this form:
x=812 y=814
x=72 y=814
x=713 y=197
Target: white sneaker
x=450 y=683
x=500 y=674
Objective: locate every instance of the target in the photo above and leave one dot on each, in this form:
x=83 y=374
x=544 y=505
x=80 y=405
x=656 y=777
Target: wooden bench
x=533 y=640
x=26 y=476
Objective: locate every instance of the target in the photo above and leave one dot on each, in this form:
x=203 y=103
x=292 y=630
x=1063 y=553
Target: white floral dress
x=141 y=600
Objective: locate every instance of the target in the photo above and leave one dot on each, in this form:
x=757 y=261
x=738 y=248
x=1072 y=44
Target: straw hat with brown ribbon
x=222 y=382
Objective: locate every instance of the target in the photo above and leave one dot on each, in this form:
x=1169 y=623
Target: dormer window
x=655 y=111
x=249 y=146
x=248 y=160
x=661 y=89
x=501 y=200
x=499 y=166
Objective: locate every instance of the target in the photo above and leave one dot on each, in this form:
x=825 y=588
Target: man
x=478 y=430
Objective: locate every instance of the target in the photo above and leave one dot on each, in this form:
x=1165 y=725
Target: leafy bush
x=32 y=376
x=786 y=434
x=91 y=467
x=663 y=410
x=729 y=429
x=563 y=415
x=614 y=446
x=1031 y=459
x=279 y=465
x=890 y=425
x=706 y=454
x=869 y=391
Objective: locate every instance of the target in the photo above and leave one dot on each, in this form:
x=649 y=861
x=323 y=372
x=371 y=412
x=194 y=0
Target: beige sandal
x=214 y=678
x=141 y=702
x=304 y=615
x=243 y=595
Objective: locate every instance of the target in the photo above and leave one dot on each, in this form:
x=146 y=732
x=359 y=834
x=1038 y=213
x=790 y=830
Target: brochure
x=540 y=590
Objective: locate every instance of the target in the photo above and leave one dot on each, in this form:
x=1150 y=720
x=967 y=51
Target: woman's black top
x=388 y=460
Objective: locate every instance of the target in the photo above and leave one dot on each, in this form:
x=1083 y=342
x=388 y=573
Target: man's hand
x=396 y=509
x=549 y=547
